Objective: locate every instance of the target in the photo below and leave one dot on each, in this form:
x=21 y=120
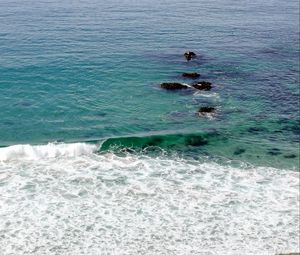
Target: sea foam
x=51 y=150
x=74 y=201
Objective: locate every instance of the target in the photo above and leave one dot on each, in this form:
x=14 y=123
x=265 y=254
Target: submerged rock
x=274 y=151
x=255 y=130
x=191 y=75
x=195 y=140
x=239 y=151
x=290 y=156
x=202 y=85
x=173 y=85
x=189 y=55
x=206 y=110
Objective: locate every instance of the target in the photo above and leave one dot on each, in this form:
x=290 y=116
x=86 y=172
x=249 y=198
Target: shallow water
x=97 y=157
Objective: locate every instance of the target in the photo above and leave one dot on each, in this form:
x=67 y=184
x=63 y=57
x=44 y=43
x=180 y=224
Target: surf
x=135 y=202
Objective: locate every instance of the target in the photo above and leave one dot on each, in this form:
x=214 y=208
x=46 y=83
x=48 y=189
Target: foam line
x=50 y=150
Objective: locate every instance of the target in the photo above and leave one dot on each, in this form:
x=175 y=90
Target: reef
x=173 y=85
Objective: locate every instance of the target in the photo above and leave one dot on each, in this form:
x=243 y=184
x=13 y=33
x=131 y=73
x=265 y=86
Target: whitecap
x=50 y=150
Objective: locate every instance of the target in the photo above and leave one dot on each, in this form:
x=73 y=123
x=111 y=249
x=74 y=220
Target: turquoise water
x=87 y=71
x=80 y=100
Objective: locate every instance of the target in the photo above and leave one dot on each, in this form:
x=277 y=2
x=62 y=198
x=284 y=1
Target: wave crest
x=50 y=150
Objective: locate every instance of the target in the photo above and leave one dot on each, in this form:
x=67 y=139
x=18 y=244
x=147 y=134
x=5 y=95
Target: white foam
x=106 y=204
x=51 y=150
x=206 y=94
x=188 y=85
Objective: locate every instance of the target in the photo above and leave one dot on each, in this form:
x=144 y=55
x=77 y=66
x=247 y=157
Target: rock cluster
x=199 y=85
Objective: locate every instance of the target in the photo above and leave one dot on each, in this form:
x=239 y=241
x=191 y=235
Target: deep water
x=97 y=155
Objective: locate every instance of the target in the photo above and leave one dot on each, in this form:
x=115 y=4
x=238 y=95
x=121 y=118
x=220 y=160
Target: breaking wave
x=51 y=150
x=85 y=199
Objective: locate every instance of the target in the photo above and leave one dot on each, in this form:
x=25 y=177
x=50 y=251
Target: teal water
x=78 y=71
x=87 y=132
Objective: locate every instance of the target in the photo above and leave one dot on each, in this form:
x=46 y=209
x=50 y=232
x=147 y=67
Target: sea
x=97 y=158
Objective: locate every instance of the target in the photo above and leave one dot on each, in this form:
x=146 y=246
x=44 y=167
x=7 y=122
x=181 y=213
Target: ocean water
x=96 y=158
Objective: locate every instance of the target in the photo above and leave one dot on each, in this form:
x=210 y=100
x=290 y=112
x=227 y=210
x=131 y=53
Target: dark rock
x=155 y=141
x=191 y=75
x=173 y=85
x=101 y=114
x=274 y=152
x=278 y=131
x=189 y=55
x=255 y=130
x=194 y=140
x=239 y=151
x=290 y=156
x=205 y=110
x=202 y=85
